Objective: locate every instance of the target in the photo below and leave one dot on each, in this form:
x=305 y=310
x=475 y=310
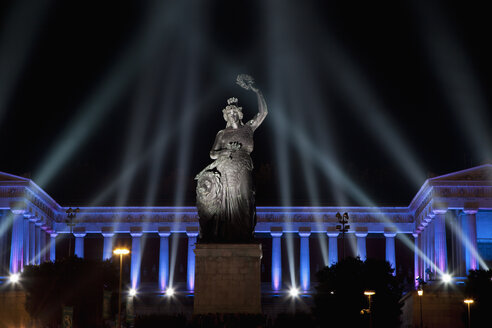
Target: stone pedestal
x=227 y=278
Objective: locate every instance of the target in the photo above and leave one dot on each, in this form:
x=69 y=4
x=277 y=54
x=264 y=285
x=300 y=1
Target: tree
x=340 y=297
x=479 y=287
x=69 y=282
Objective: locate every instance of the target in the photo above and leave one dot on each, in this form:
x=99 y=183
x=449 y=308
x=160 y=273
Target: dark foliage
x=160 y=320
x=236 y=320
x=340 y=294
x=479 y=288
x=288 y=320
x=69 y=282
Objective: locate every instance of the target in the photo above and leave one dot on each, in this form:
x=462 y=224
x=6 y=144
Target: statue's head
x=233 y=113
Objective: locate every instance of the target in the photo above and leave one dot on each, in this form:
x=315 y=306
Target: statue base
x=227 y=278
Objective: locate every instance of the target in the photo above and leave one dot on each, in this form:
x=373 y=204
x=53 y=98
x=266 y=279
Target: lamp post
x=71 y=216
x=369 y=293
x=343 y=228
x=120 y=252
x=420 y=292
x=469 y=301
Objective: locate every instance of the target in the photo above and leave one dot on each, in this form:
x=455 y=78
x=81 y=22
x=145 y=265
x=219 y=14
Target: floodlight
x=170 y=292
x=132 y=292
x=446 y=278
x=14 y=278
x=294 y=292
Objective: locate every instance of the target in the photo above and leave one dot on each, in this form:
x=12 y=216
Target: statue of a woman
x=225 y=191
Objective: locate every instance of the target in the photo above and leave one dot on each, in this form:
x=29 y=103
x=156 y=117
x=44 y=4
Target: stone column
x=276 y=233
x=164 y=233
x=390 y=248
x=26 y=240
x=332 y=247
x=136 y=233
x=416 y=266
x=53 y=246
x=305 y=274
x=37 y=253
x=192 y=233
x=361 y=235
x=79 y=233
x=471 y=238
x=17 y=242
x=42 y=235
x=440 y=251
x=32 y=240
x=107 y=233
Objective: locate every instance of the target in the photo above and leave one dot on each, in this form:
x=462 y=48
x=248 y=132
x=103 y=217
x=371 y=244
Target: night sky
x=118 y=102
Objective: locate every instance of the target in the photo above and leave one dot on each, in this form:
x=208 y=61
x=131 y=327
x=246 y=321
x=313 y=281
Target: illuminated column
x=17 y=242
x=136 y=233
x=192 y=233
x=416 y=267
x=79 y=234
x=32 y=240
x=440 y=239
x=361 y=244
x=26 y=241
x=37 y=256
x=390 y=249
x=304 y=233
x=164 y=233
x=332 y=247
x=53 y=246
x=276 y=233
x=471 y=229
x=107 y=233
x=42 y=253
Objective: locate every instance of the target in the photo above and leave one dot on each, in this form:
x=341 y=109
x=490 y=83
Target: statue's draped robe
x=225 y=193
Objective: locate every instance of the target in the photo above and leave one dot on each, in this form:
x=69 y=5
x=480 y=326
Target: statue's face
x=232 y=116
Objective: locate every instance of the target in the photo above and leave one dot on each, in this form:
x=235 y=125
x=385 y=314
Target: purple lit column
x=192 y=233
x=53 y=246
x=304 y=233
x=37 y=256
x=17 y=242
x=471 y=248
x=440 y=240
x=79 y=234
x=276 y=233
x=136 y=234
x=416 y=267
x=164 y=233
x=332 y=247
x=390 y=249
x=26 y=240
x=42 y=253
x=361 y=244
x=108 y=234
x=32 y=240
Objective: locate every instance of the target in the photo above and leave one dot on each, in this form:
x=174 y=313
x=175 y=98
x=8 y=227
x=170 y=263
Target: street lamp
x=369 y=293
x=343 y=228
x=420 y=292
x=120 y=252
x=469 y=301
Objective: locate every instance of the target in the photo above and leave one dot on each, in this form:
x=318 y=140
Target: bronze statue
x=225 y=191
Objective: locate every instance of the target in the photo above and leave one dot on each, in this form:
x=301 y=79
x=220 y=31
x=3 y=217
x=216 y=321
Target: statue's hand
x=234 y=145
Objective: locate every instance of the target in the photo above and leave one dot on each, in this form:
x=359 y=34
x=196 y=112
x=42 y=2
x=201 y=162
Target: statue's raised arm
x=247 y=82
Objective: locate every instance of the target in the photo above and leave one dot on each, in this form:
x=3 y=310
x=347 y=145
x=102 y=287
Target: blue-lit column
x=192 y=233
x=53 y=246
x=276 y=233
x=42 y=234
x=32 y=240
x=423 y=245
x=37 y=256
x=304 y=233
x=416 y=267
x=108 y=234
x=136 y=234
x=390 y=249
x=361 y=244
x=332 y=247
x=440 y=239
x=164 y=233
x=471 y=234
x=26 y=241
x=17 y=242
x=79 y=234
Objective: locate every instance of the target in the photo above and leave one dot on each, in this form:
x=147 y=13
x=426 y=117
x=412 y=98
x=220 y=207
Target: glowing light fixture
x=121 y=251
x=469 y=301
x=420 y=292
x=369 y=292
x=132 y=292
x=14 y=278
x=446 y=278
x=294 y=292
x=170 y=292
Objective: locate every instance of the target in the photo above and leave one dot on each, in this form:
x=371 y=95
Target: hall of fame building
x=446 y=228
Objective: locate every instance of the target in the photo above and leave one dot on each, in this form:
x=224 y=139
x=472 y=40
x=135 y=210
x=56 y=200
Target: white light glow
x=294 y=292
x=170 y=292
x=14 y=278
x=132 y=292
x=446 y=278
